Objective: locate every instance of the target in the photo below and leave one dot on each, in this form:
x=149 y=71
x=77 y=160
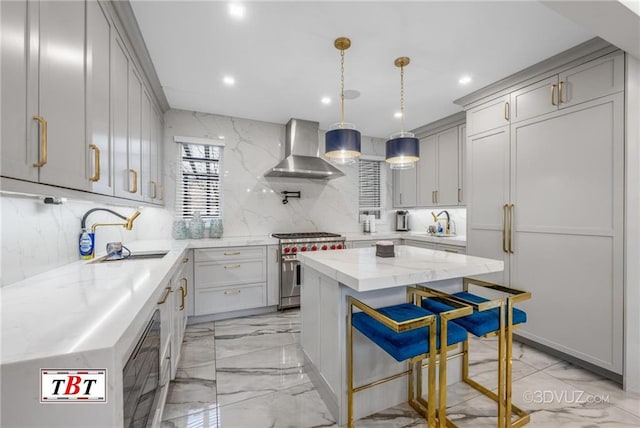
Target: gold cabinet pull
x=237 y=253
x=451 y=251
x=96 y=162
x=505 y=207
x=436 y=196
x=400 y=198
x=232 y=292
x=182 y=302
x=135 y=180
x=185 y=260
x=459 y=194
x=433 y=198
x=511 y=229
x=155 y=189
x=553 y=95
x=231 y=266
x=560 y=100
x=506 y=111
x=43 y=141
x=161 y=193
x=277 y=252
x=185 y=281
x=166 y=295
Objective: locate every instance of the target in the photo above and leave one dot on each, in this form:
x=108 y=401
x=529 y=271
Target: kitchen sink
x=442 y=235
x=134 y=256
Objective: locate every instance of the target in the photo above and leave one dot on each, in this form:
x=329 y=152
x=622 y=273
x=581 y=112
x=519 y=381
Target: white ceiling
x=283 y=59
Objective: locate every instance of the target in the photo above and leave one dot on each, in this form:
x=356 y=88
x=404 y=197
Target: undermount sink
x=134 y=256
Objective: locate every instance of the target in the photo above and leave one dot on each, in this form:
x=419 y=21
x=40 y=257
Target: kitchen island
x=329 y=277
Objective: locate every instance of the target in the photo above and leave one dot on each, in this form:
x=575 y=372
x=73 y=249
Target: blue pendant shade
x=403 y=151
x=342 y=145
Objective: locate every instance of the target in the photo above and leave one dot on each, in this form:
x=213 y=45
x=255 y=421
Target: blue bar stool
x=406 y=332
x=491 y=317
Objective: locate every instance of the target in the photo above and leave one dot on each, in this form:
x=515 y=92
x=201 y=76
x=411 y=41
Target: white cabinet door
x=19 y=132
x=62 y=93
x=404 y=187
x=462 y=165
x=534 y=100
x=594 y=79
x=487 y=196
x=100 y=151
x=567 y=193
x=490 y=115
x=156 y=157
x=134 y=152
x=120 y=117
x=146 y=176
x=447 y=168
x=426 y=172
x=273 y=275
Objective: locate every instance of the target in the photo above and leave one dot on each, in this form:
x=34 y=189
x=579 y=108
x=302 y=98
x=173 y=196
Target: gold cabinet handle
x=400 y=198
x=277 y=252
x=231 y=266
x=553 y=95
x=511 y=229
x=436 y=196
x=135 y=180
x=433 y=198
x=459 y=194
x=182 y=302
x=505 y=207
x=506 y=111
x=96 y=162
x=560 y=100
x=185 y=260
x=237 y=253
x=161 y=193
x=155 y=189
x=451 y=251
x=43 y=141
x=185 y=281
x=232 y=292
x=166 y=295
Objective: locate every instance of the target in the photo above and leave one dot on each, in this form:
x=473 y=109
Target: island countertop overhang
x=361 y=270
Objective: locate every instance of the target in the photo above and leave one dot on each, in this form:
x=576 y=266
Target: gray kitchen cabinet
x=179 y=297
x=451 y=248
x=157 y=158
x=404 y=188
x=120 y=117
x=532 y=187
x=149 y=155
x=134 y=134
x=100 y=153
x=370 y=243
x=534 y=100
x=438 y=170
x=420 y=244
x=273 y=275
x=462 y=163
x=491 y=114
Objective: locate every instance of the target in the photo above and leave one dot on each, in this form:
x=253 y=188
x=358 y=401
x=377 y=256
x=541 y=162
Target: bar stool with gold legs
x=490 y=318
x=406 y=332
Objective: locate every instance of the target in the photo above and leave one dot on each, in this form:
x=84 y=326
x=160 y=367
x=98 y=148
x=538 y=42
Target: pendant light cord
x=402 y=99
x=341 y=88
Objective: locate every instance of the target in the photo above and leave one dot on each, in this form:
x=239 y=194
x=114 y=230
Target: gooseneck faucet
x=128 y=224
x=447 y=229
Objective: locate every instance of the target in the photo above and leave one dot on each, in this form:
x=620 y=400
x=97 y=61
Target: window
x=370 y=192
x=199 y=185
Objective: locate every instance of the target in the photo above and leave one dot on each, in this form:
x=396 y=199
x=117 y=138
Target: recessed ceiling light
x=236 y=10
x=325 y=100
x=397 y=115
x=464 y=80
x=229 y=80
x=220 y=137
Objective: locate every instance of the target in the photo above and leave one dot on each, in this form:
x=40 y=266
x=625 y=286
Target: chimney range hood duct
x=302 y=155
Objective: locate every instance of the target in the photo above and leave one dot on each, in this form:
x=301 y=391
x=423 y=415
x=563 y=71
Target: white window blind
x=199 y=186
x=370 y=197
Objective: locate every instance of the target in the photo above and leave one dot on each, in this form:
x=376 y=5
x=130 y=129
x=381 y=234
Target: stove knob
x=324 y=248
x=314 y=248
x=303 y=249
x=287 y=250
x=333 y=247
x=339 y=246
x=294 y=250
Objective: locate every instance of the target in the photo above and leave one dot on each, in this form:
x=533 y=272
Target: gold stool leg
x=442 y=385
x=349 y=368
x=508 y=366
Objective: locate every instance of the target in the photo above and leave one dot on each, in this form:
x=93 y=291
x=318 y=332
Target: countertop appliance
x=402 y=220
x=290 y=245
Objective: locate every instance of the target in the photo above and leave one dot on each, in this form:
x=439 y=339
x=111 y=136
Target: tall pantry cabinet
x=546 y=195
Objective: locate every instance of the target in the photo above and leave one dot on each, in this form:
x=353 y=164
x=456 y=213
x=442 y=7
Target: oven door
x=289 y=282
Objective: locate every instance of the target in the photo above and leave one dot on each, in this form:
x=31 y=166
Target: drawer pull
x=237 y=253
x=232 y=292
x=182 y=293
x=451 y=251
x=185 y=260
x=231 y=266
x=186 y=286
x=166 y=295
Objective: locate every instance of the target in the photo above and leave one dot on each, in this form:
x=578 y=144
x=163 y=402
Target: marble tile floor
x=248 y=373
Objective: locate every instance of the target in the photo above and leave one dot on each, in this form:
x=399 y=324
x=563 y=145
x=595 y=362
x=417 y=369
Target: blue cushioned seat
x=478 y=323
x=408 y=344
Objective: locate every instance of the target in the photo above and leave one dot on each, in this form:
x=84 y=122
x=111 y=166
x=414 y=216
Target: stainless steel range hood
x=302 y=154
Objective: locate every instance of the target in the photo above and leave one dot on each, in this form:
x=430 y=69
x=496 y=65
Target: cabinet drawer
x=592 y=80
x=216 y=300
x=451 y=248
x=223 y=273
x=490 y=115
x=535 y=100
x=230 y=253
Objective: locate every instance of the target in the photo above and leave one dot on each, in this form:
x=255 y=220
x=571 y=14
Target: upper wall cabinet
x=404 y=188
x=72 y=101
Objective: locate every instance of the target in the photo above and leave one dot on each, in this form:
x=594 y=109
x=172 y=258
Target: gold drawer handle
x=43 y=141
x=231 y=266
x=135 y=181
x=185 y=260
x=96 y=162
x=232 y=292
x=451 y=251
x=182 y=293
x=560 y=100
x=155 y=189
x=459 y=194
x=506 y=111
x=186 y=286
x=553 y=95
x=166 y=295
x=237 y=253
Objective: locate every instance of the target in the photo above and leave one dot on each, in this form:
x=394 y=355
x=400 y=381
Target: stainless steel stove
x=290 y=245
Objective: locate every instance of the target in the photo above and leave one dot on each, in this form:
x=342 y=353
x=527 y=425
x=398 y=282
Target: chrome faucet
x=447 y=229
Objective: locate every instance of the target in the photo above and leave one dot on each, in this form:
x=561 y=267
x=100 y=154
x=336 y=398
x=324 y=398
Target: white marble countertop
x=360 y=269
x=457 y=240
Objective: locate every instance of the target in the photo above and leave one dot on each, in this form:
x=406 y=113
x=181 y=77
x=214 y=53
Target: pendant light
x=342 y=141
x=403 y=148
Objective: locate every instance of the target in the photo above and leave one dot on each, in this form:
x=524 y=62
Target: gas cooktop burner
x=301 y=235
